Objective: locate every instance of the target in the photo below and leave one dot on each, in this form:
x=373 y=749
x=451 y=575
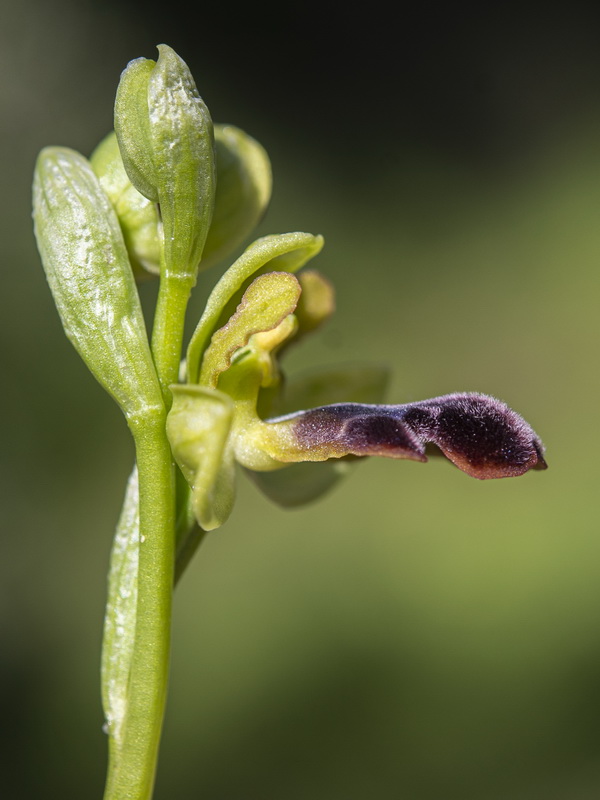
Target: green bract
x=166 y=139
x=119 y=626
x=86 y=263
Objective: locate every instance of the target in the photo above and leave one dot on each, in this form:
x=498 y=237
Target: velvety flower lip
x=481 y=435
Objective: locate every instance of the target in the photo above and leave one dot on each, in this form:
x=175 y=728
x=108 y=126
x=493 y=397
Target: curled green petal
x=284 y=252
x=198 y=427
x=88 y=270
x=268 y=300
x=138 y=216
x=243 y=192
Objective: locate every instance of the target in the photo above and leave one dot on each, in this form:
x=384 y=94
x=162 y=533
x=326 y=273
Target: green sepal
x=198 y=426
x=298 y=484
x=243 y=192
x=352 y=383
x=132 y=126
x=285 y=252
x=166 y=139
x=88 y=270
x=268 y=300
x=138 y=216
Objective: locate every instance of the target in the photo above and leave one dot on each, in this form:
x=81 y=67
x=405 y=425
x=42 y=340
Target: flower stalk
x=134 y=745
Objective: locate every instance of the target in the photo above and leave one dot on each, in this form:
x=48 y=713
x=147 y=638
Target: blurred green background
x=417 y=634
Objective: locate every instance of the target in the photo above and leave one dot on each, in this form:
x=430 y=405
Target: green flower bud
x=165 y=135
x=242 y=195
x=138 y=216
x=86 y=264
x=317 y=302
x=244 y=184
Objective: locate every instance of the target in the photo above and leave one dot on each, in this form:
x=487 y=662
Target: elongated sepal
x=198 y=427
x=268 y=300
x=479 y=434
x=285 y=252
x=299 y=484
x=349 y=383
x=88 y=270
x=166 y=138
x=243 y=192
x=132 y=126
x=137 y=215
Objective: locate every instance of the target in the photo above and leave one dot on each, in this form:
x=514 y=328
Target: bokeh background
x=417 y=634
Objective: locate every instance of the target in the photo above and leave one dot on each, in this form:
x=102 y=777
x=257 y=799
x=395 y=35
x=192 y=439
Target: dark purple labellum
x=481 y=435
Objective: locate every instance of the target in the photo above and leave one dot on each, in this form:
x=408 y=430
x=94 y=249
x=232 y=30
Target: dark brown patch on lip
x=358 y=430
x=479 y=434
x=382 y=435
x=319 y=426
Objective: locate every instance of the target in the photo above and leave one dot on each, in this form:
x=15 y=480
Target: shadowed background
x=417 y=634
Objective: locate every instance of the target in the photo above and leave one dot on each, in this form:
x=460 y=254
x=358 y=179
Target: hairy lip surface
x=481 y=435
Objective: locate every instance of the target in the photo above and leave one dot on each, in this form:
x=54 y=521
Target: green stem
x=167 y=335
x=132 y=764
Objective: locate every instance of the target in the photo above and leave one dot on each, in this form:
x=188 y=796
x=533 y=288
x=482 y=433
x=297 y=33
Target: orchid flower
x=233 y=406
x=148 y=202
